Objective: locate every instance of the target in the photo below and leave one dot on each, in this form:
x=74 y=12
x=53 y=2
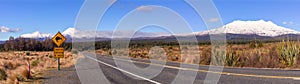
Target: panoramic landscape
x=234 y=42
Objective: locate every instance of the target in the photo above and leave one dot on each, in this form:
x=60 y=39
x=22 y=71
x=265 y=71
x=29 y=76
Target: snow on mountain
x=70 y=31
x=74 y=33
x=107 y=34
x=36 y=34
x=260 y=27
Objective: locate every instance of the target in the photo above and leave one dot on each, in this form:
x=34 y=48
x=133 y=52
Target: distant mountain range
x=236 y=30
x=1 y=42
x=261 y=28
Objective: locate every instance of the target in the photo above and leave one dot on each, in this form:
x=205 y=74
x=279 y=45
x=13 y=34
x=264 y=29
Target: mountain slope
x=261 y=28
x=237 y=30
x=74 y=33
x=36 y=34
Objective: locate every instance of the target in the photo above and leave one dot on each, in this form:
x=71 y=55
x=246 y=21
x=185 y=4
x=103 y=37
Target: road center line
x=223 y=73
x=124 y=71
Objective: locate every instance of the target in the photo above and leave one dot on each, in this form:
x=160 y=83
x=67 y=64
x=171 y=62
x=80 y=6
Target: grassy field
x=284 y=55
x=14 y=66
x=261 y=55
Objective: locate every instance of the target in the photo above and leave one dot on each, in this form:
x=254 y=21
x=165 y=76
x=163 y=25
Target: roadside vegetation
x=283 y=54
x=14 y=66
x=14 y=54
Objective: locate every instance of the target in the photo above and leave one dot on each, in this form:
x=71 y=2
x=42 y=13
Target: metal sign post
x=58 y=39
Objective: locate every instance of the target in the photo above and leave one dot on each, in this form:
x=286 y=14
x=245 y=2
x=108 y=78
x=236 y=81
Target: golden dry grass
x=244 y=55
x=16 y=67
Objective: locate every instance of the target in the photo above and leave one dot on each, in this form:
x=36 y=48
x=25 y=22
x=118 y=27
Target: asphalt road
x=125 y=74
x=63 y=76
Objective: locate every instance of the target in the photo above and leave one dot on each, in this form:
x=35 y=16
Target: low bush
x=23 y=74
x=3 y=74
x=288 y=53
x=27 y=53
x=252 y=45
x=35 y=62
x=232 y=58
x=8 y=65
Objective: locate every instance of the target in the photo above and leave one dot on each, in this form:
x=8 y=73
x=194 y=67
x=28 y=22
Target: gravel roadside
x=63 y=76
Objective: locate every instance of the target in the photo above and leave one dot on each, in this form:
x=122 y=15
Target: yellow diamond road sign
x=58 y=39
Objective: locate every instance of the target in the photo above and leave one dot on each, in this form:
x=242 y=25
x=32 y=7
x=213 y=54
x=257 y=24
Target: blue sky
x=50 y=16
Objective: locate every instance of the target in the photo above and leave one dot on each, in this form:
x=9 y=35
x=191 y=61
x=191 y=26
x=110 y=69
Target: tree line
x=27 y=44
x=46 y=44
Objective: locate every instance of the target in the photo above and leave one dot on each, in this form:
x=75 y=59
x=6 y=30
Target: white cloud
x=214 y=20
x=288 y=23
x=284 y=22
x=5 y=29
x=144 y=8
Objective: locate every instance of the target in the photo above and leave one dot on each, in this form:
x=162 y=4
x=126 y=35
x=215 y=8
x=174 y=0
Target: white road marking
x=223 y=73
x=124 y=71
x=296 y=78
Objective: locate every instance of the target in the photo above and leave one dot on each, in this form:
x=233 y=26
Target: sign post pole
x=58 y=39
x=58 y=63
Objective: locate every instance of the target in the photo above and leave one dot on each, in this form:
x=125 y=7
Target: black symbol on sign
x=58 y=39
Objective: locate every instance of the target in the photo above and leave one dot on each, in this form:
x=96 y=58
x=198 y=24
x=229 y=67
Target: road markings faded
x=222 y=73
x=124 y=71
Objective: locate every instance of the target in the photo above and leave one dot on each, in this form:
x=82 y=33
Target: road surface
x=169 y=72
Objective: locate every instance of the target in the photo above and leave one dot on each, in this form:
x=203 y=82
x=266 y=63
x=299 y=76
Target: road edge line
x=124 y=71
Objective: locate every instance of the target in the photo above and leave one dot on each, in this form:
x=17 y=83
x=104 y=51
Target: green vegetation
x=232 y=58
x=26 y=44
x=218 y=57
x=260 y=44
x=240 y=52
x=35 y=62
x=288 y=53
x=252 y=45
x=27 y=53
x=3 y=74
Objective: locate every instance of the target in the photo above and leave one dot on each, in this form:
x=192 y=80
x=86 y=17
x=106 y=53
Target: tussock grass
x=3 y=74
x=260 y=55
x=14 y=64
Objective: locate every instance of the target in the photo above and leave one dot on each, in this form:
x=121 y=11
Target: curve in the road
x=223 y=73
x=125 y=71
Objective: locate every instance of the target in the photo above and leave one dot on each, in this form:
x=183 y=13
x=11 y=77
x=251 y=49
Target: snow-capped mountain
x=74 y=33
x=260 y=27
x=234 y=30
x=36 y=34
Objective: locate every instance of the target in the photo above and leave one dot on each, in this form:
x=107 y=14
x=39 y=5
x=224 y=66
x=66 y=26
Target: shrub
x=218 y=57
x=3 y=74
x=113 y=52
x=35 y=62
x=50 y=56
x=232 y=58
x=74 y=51
x=260 y=44
x=257 y=58
x=252 y=45
x=27 y=53
x=288 y=53
x=8 y=65
x=12 y=79
x=174 y=58
x=23 y=74
x=20 y=78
